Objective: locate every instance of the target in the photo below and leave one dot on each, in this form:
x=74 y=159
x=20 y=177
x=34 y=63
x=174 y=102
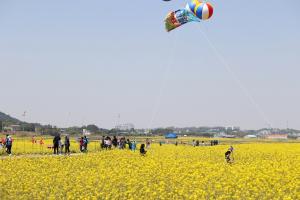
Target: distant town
x=12 y=125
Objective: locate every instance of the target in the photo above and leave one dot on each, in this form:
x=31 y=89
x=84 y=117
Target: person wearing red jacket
x=81 y=143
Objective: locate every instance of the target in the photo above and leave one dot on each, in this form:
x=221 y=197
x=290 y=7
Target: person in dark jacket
x=229 y=155
x=129 y=144
x=102 y=144
x=67 y=145
x=142 y=150
x=56 y=143
x=115 y=142
x=8 y=144
x=85 y=143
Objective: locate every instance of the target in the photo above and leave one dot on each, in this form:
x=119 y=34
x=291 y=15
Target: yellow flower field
x=259 y=171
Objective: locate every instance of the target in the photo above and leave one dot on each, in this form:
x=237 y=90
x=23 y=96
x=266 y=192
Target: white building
x=125 y=127
x=250 y=136
x=86 y=132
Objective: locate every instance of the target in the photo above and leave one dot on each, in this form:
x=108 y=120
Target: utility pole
x=24 y=115
x=118 y=124
x=118 y=121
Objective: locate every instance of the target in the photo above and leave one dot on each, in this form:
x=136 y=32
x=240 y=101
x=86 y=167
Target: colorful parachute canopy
x=202 y=10
x=178 y=18
x=194 y=11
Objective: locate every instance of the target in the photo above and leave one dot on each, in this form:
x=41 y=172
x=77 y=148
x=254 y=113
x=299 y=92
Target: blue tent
x=171 y=136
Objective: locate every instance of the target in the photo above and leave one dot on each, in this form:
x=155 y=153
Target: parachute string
x=235 y=78
x=163 y=84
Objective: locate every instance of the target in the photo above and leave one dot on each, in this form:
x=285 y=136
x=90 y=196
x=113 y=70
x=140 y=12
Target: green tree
x=92 y=128
x=162 y=131
x=28 y=127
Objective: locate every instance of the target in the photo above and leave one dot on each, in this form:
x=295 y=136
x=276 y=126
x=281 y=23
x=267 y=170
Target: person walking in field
x=106 y=143
x=109 y=143
x=67 y=145
x=102 y=143
x=148 y=143
x=56 y=140
x=60 y=146
x=33 y=140
x=229 y=155
x=115 y=142
x=133 y=146
x=41 y=141
x=129 y=144
x=8 y=144
x=81 y=148
x=142 y=150
x=2 y=145
x=85 y=143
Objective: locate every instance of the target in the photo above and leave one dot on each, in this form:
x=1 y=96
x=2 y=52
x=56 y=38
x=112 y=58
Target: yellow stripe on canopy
x=197 y=6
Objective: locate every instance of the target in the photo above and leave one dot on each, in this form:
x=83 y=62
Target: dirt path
x=38 y=156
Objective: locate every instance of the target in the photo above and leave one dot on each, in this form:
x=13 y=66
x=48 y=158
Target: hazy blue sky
x=77 y=62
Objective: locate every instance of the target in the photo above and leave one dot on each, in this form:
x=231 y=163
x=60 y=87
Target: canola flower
x=259 y=171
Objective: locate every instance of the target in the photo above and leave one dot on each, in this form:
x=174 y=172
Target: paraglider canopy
x=194 y=11
x=203 y=10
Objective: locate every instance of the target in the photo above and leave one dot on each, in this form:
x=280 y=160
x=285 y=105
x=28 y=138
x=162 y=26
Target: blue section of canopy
x=171 y=136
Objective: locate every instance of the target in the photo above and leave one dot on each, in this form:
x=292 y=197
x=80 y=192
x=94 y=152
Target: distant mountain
x=6 y=118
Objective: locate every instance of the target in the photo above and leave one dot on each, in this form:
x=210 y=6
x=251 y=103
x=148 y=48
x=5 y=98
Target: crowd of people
x=117 y=143
x=196 y=143
x=83 y=144
x=106 y=143
x=58 y=146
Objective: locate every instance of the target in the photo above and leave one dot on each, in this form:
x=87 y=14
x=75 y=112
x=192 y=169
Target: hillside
x=6 y=118
x=6 y=121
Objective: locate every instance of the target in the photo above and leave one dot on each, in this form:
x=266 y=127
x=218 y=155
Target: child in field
x=41 y=141
x=229 y=154
x=2 y=146
x=133 y=146
x=142 y=150
x=148 y=143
